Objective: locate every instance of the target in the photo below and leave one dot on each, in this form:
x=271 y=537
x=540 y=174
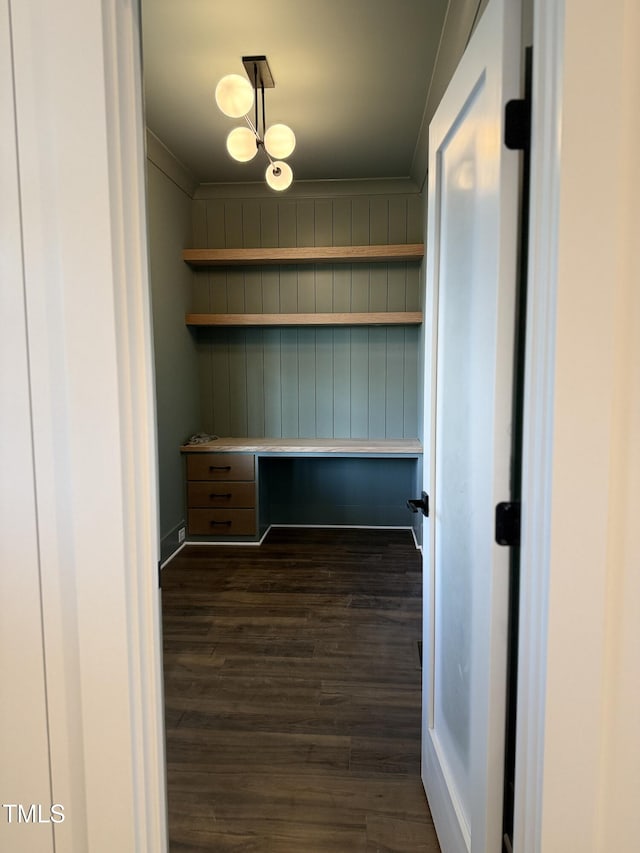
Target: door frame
x=574 y=782
x=84 y=334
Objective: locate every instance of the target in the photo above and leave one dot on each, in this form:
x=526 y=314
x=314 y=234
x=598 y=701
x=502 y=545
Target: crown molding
x=167 y=162
x=311 y=189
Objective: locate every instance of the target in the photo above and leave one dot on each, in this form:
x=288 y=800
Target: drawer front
x=220 y=466
x=222 y=522
x=221 y=494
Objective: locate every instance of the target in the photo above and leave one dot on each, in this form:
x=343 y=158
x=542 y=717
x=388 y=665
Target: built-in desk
x=238 y=487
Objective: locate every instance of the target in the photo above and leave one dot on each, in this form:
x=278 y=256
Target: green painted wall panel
x=341 y=229
x=342 y=279
x=397 y=287
x=307 y=382
x=287 y=229
x=272 y=394
x=251 y=230
x=342 y=382
x=338 y=491
x=324 y=383
x=235 y=291
x=171 y=220
x=306 y=289
x=377 y=382
x=305 y=223
x=379 y=220
x=270 y=290
x=323 y=224
x=254 y=349
x=253 y=301
x=339 y=382
x=413 y=343
x=289 y=290
x=394 y=396
x=220 y=383
x=324 y=288
x=359 y=399
x=360 y=212
x=378 y=286
x=360 y=286
x=289 y=364
x=398 y=219
x=215 y=221
x=238 y=403
x=268 y=224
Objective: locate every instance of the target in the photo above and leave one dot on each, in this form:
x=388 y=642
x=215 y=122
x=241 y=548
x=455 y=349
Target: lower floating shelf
x=379 y=318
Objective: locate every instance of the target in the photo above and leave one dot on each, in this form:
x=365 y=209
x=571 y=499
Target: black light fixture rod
x=259 y=141
x=255 y=93
x=264 y=117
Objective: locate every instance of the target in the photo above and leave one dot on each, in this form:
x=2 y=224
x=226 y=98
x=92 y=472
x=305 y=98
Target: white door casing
x=84 y=405
x=471 y=281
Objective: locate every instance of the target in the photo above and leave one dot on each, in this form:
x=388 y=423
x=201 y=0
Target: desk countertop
x=343 y=446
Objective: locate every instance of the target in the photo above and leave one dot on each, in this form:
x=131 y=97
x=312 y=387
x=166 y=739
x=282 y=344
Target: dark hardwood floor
x=292 y=678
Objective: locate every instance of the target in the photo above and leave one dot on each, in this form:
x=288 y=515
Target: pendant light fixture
x=235 y=95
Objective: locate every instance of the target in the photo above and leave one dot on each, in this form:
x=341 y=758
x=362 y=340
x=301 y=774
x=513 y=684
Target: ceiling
x=352 y=80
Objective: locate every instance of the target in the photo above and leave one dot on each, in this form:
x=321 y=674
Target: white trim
x=232 y=543
x=136 y=381
x=304 y=526
x=538 y=421
x=347 y=526
x=175 y=554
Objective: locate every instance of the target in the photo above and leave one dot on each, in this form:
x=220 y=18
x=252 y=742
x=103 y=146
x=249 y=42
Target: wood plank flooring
x=292 y=683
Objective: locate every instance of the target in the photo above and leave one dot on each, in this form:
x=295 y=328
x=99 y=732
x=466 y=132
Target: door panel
x=471 y=278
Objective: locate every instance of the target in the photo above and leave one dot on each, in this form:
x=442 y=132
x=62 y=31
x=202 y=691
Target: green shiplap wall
x=339 y=382
x=176 y=358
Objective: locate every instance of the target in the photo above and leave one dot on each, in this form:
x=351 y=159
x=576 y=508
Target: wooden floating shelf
x=304 y=255
x=379 y=318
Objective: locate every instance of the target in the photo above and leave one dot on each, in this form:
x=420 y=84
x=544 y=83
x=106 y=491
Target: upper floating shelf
x=304 y=255
x=376 y=318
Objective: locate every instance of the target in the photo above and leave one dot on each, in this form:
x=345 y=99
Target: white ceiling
x=352 y=79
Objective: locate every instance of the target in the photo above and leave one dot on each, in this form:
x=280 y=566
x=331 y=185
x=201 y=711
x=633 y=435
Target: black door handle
x=419 y=504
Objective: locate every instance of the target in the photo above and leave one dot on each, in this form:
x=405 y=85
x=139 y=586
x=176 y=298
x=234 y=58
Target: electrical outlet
x=181 y=534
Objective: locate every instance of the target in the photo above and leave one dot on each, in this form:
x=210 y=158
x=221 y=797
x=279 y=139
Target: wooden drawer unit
x=220 y=466
x=221 y=494
x=222 y=522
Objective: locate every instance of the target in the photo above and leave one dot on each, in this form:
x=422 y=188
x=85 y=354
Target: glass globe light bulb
x=242 y=144
x=234 y=95
x=279 y=175
x=279 y=140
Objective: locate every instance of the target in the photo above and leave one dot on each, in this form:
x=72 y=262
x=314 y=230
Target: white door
x=471 y=280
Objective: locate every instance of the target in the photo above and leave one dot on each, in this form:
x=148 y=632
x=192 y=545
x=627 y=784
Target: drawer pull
x=216 y=495
x=224 y=523
x=219 y=467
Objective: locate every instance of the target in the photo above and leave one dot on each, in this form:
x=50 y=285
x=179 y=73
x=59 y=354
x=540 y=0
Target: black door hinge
x=419 y=504
x=517 y=113
x=517 y=124
x=508 y=523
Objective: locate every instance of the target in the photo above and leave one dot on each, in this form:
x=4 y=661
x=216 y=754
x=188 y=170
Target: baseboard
x=170 y=543
x=256 y=542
